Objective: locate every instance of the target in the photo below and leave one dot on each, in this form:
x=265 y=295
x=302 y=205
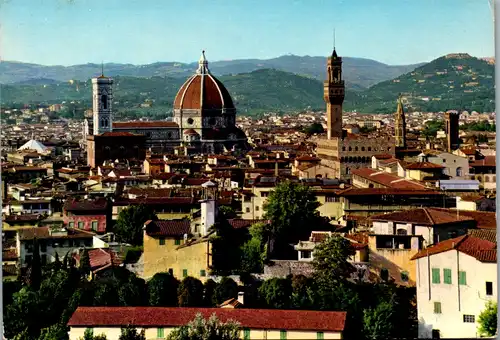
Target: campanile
x=333 y=93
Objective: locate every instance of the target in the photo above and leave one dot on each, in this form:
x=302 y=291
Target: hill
x=359 y=73
x=454 y=81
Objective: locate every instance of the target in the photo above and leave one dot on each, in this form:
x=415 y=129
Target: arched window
x=343 y=148
x=356 y=148
x=370 y=185
x=104 y=101
x=486 y=178
x=350 y=148
x=459 y=172
x=369 y=148
x=362 y=148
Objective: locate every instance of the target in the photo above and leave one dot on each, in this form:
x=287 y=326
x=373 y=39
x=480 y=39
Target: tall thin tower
x=400 y=126
x=333 y=93
x=102 y=99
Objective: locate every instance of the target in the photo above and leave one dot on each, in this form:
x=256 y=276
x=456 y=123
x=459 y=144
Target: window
x=80 y=225
x=160 y=332
x=162 y=241
x=184 y=273
x=306 y=254
x=459 y=172
x=320 y=336
x=282 y=335
x=462 y=278
x=436 y=278
x=257 y=208
x=177 y=242
x=247 y=209
x=469 y=318
x=203 y=273
x=331 y=199
x=71 y=224
x=436 y=334
x=94 y=225
x=404 y=276
x=246 y=334
x=447 y=276
x=437 y=307
x=489 y=288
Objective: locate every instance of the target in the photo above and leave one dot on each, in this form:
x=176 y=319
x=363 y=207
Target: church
x=204 y=121
x=341 y=152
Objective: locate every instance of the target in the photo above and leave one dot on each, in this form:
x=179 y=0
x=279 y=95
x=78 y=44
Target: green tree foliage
x=23 y=315
x=130 y=223
x=331 y=259
x=252 y=256
x=225 y=247
x=479 y=126
x=276 y=293
x=291 y=208
x=488 y=319
x=35 y=276
x=54 y=332
x=162 y=290
x=201 y=329
x=314 y=128
x=133 y=292
x=225 y=289
x=377 y=322
x=303 y=292
x=106 y=293
x=89 y=335
x=227 y=212
x=209 y=288
x=190 y=292
x=432 y=127
x=130 y=333
x=85 y=263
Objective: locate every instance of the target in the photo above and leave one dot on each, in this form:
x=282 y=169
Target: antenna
x=334 y=38
x=102 y=68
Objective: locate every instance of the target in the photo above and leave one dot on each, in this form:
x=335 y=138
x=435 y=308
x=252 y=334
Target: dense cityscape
x=199 y=221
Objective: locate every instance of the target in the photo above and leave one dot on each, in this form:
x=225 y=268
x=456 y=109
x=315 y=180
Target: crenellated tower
x=400 y=126
x=333 y=93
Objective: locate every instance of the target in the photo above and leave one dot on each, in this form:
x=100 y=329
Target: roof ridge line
x=429 y=216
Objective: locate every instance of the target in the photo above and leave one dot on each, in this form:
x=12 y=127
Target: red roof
x=304 y=320
x=482 y=250
x=423 y=166
x=168 y=227
x=144 y=125
x=98 y=205
x=386 y=191
x=425 y=216
x=237 y=223
x=118 y=134
x=386 y=179
x=468 y=151
x=489 y=161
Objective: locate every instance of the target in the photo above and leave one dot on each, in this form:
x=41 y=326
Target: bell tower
x=333 y=93
x=400 y=126
x=102 y=97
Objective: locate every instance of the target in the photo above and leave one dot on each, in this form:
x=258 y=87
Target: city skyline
x=64 y=32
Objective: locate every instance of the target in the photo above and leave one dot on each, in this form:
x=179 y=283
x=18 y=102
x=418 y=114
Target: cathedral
x=341 y=152
x=204 y=120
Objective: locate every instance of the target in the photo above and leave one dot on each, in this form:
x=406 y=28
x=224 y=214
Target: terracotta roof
x=485 y=234
x=386 y=179
x=231 y=302
x=468 y=151
x=307 y=159
x=484 y=219
x=191 y=132
x=358 y=237
x=423 y=166
x=482 y=250
x=22 y=218
x=383 y=156
x=118 y=134
x=424 y=216
x=319 y=236
x=144 y=125
x=168 y=227
x=155 y=201
x=44 y=233
x=151 y=192
x=72 y=204
x=325 y=321
x=238 y=223
x=386 y=191
x=489 y=161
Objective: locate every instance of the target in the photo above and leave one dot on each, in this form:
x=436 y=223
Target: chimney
x=241 y=296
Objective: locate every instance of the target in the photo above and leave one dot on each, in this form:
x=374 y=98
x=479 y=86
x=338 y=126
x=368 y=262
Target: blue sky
x=68 y=32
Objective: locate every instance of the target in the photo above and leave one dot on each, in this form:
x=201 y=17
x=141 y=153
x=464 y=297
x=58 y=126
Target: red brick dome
x=203 y=91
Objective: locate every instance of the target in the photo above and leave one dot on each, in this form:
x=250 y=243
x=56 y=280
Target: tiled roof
x=44 y=233
x=22 y=218
x=231 y=302
x=468 y=151
x=151 y=192
x=484 y=219
x=307 y=159
x=485 y=234
x=482 y=250
x=155 y=201
x=424 y=216
x=386 y=191
x=423 y=166
x=386 y=179
x=325 y=321
x=383 y=156
x=118 y=134
x=168 y=227
x=489 y=161
x=100 y=258
x=99 y=204
x=238 y=223
x=319 y=236
x=142 y=125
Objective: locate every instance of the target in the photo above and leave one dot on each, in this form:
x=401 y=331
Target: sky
x=396 y=32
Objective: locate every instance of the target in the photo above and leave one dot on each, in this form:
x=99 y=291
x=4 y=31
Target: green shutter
x=184 y=273
x=177 y=242
x=160 y=332
x=282 y=335
x=447 y=276
x=462 y=278
x=436 y=277
x=162 y=241
x=246 y=334
x=320 y=336
x=203 y=272
x=437 y=307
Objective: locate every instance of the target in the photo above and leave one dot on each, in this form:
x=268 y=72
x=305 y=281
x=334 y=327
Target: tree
x=227 y=212
x=209 y=293
x=162 y=290
x=377 y=322
x=302 y=292
x=89 y=335
x=276 y=293
x=225 y=289
x=314 y=128
x=291 y=208
x=331 y=259
x=488 y=319
x=54 y=332
x=131 y=333
x=201 y=329
x=130 y=223
x=133 y=292
x=57 y=263
x=85 y=263
x=190 y=292
x=35 y=276
x=252 y=256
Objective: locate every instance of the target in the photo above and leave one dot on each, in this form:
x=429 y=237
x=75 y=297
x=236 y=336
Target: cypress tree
x=35 y=277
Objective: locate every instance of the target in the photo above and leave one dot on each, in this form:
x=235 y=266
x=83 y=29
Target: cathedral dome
x=203 y=91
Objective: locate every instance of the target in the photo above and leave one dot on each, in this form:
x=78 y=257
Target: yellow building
x=259 y=324
x=170 y=247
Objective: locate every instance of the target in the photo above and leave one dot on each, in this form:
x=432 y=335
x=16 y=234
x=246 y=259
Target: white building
x=455 y=279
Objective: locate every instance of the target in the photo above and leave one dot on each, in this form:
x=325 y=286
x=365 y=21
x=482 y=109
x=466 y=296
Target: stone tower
x=102 y=98
x=400 y=126
x=333 y=92
x=451 y=125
